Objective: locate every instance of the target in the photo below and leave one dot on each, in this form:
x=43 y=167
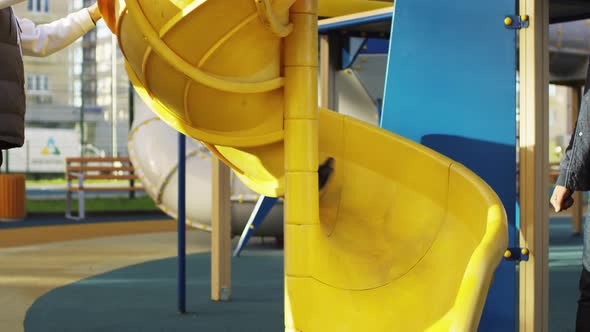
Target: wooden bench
x=96 y=168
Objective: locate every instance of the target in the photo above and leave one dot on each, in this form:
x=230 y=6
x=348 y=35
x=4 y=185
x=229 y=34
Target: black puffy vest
x=12 y=88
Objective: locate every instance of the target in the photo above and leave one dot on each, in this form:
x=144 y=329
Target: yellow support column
x=534 y=158
x=301 y=147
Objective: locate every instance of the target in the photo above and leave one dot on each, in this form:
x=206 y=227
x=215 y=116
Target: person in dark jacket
x=575 y=175
x=20 y=37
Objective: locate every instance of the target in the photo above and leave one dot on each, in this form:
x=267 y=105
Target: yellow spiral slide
x=400 y=238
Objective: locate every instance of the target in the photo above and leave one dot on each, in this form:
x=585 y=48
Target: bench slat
x=99 y=168
x=87 y=165
x=106 y=189
x=98 y=160
x=105 y=177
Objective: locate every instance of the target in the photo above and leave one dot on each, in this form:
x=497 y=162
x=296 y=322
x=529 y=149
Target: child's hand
x=561 y=199
x=94 y=12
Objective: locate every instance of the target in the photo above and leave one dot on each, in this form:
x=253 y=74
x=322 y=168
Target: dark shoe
x=325 y=171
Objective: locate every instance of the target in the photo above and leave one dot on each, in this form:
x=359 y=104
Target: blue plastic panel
x=376 y=46
x=451 y=85
x=340 y=25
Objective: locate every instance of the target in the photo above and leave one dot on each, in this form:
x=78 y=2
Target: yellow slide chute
x=400 y=239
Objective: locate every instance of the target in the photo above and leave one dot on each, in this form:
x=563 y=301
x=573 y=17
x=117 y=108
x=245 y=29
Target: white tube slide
x=353 y=99
x=153 y=149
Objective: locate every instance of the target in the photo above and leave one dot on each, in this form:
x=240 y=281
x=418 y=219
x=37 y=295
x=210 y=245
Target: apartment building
x=54 y=84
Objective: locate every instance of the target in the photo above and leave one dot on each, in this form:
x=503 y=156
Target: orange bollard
x=12 y=197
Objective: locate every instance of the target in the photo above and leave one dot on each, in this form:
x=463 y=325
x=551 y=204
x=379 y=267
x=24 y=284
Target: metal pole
x=88 y=75
x=82 y=108
x=131 y=119
x=7 y=161
x=131 y=105
x=114 y=94
x=83 y=102
x=181 y=224
x=83 y=87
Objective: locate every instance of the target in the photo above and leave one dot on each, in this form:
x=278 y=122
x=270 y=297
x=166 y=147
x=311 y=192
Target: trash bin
x=12 y=197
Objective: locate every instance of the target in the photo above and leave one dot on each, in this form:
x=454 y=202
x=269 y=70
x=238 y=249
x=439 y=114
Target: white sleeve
x=8 y=3
x=45 y=39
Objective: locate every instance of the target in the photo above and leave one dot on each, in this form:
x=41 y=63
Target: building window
x=38 y=6
x=38 y=89
x=37 y=84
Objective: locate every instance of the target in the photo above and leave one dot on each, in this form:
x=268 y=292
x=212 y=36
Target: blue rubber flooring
x=143 y=297
x=56 y=220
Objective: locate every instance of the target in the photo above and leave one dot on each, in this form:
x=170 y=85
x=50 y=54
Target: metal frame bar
x=261 y=210
x=351 y=57
x=342 y=23
x=181 y=223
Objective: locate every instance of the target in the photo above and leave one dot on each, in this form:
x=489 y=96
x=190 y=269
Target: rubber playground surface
x=101 y=280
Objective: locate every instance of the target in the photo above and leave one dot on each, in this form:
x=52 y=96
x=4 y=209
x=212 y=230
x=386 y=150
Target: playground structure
x=404 y=113
x=157 y=166
x=395 y=220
